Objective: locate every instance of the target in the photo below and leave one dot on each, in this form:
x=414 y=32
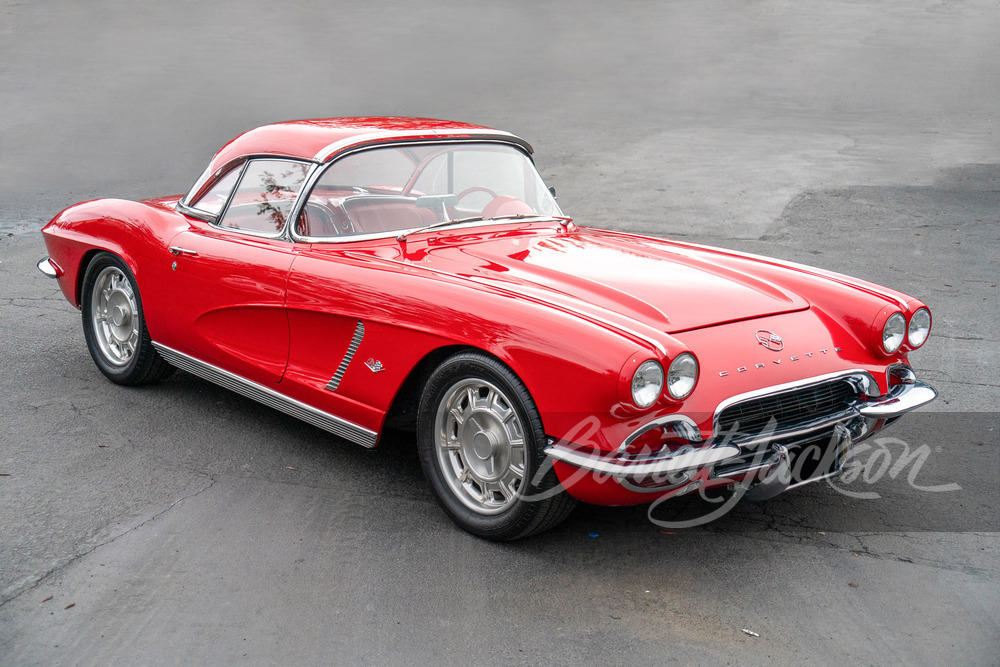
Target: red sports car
x=364 y=272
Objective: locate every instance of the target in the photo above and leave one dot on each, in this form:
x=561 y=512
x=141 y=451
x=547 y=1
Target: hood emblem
x=770 y=340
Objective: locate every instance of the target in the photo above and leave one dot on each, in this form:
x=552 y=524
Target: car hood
x=669 y=288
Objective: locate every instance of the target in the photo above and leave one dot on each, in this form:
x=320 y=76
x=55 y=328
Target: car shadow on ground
x=912 y=480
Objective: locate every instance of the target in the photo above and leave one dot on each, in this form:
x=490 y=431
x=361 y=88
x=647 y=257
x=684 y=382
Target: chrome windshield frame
x=310 y=184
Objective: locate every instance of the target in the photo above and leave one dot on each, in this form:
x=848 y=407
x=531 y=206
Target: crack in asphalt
x=73 y=559
x=863 y=548
x=975 y=338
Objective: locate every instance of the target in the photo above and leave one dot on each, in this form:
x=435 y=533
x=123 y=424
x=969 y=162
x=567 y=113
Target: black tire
x=114 y=326
x=497 y=414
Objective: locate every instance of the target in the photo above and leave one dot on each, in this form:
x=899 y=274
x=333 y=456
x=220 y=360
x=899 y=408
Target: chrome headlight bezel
x=647 y=383
x=682 y=376
x=894 y=333
x=919 y=328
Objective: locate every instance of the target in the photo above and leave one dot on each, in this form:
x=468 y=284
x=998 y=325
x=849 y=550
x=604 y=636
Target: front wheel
x=481 y=440
x=114 y=326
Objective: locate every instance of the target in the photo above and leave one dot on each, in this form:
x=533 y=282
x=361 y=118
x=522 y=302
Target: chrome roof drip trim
x=416 y=136
x=324 y=420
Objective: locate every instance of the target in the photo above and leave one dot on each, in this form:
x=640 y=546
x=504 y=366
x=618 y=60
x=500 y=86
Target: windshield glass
x=403 y=188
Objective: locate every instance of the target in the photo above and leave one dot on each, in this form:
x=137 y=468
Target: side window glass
x=265 y=195
x=213 y=200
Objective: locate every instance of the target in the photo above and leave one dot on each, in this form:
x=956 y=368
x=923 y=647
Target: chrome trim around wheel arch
x=324 y=420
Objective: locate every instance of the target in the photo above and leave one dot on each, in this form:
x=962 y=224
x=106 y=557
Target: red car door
x=228 y=300
x=229 y=276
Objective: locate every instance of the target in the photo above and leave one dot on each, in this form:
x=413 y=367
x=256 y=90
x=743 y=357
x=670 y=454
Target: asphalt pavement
x=183 y=523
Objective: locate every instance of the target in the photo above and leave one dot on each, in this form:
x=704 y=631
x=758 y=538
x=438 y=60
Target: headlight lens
x=647 y=383
x=682 y=375
x=893 y=332
x=920 y=326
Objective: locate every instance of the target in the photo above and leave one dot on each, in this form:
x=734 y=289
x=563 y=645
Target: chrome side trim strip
x=324 y=420
x=359 y=335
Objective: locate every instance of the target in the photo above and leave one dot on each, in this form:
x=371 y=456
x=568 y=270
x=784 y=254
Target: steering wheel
x=476 y=188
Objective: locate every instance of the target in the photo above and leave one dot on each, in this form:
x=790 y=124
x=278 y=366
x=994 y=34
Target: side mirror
x=552 y=191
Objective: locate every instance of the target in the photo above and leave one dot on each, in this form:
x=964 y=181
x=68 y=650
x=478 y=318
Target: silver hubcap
x=480 y=445
x=115 y=315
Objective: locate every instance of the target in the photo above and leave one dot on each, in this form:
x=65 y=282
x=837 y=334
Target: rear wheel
x=114 y=326
x=481 y=445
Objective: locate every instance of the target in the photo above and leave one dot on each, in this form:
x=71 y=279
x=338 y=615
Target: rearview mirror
x=433 y=201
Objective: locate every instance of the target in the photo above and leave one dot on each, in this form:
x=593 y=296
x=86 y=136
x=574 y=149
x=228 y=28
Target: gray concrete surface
x=182 y=523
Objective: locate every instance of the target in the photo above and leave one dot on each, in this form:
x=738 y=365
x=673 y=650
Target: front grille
x=788 y=408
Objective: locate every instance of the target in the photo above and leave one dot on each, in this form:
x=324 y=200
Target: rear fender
x=136 y=232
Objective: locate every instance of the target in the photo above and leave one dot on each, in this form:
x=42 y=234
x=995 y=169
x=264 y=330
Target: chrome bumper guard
x=858 y=421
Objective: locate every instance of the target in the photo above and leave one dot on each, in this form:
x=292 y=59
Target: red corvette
x=361 y=272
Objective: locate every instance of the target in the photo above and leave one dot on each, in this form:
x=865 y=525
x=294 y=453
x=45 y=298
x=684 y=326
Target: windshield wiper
x=445 y=223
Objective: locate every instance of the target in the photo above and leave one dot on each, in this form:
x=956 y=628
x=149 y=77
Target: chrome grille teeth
x=788 y=408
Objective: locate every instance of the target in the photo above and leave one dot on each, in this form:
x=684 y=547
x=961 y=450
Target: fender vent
x=359 y=334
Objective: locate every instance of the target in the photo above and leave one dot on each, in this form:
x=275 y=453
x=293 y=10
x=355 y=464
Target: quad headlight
x=647 y=383
x=920 y=327
x=682 y=375
x=893 y=332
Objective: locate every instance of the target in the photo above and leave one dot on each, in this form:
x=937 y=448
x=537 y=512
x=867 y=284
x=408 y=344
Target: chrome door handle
x=177 y=250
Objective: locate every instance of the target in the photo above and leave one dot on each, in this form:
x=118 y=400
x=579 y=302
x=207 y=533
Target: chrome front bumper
x=725 y=452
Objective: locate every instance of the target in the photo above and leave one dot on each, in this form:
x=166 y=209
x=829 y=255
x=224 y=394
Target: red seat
x=504 y=205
